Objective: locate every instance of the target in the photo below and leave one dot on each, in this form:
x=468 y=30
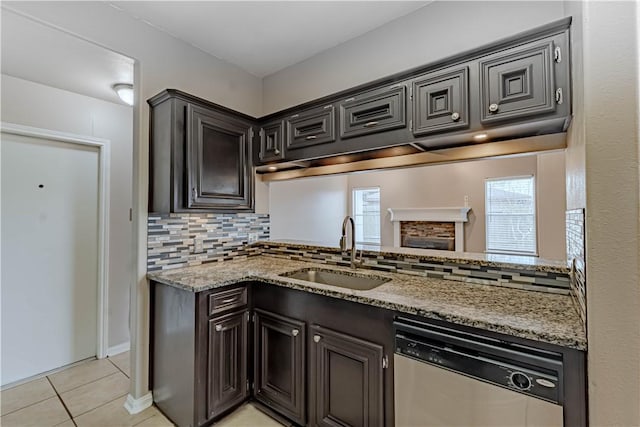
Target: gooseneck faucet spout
x=343 y=240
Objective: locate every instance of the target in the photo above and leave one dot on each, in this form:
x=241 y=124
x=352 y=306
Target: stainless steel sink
x=359 y=282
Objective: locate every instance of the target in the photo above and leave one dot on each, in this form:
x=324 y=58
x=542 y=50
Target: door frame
x=104 y=166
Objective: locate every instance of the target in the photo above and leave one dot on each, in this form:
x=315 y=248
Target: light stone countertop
x=537 y=316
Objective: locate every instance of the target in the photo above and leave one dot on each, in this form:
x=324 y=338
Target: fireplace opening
x=428 y=235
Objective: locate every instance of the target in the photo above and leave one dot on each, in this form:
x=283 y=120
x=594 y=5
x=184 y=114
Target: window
x=365 y=210
x=511 y=215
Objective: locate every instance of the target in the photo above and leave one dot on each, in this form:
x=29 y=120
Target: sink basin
x=355 y=281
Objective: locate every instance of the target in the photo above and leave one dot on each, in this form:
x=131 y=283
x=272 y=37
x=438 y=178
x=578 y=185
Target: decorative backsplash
x=576 y=256
x=181 y=240
x=543 y=280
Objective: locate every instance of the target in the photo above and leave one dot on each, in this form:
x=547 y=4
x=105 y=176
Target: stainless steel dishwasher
x=446 y=377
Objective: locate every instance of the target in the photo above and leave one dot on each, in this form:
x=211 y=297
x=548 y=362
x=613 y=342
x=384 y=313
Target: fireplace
x=429 y=228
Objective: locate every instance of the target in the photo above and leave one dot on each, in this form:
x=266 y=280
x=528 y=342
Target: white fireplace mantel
x=457 y=215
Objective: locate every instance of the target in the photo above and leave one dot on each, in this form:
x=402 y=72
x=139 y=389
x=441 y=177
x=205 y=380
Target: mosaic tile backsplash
x=181 y=240
x=576 y=256
x=470 y=272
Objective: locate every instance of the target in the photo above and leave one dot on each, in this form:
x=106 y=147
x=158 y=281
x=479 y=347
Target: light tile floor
x=92 y=394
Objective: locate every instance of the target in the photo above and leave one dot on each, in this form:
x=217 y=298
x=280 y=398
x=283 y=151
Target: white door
x=49 y=255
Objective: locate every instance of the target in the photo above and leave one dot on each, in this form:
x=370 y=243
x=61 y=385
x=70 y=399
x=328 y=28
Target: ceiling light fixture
x=480 y=136
x=125 y=92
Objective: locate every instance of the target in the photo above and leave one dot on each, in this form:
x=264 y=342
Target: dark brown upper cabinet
x=374 y=111
x=518 y=83
x=441 y=102
x=201 y=156
x=311 y=127
x=272 y=141
x=218 y=168
x=279 y=373
x=346 y=380
x=227 y=383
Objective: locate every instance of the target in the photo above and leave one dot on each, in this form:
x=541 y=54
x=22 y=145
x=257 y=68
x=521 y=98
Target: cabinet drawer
x=226 y=300
x=518 y=83
x=272 y=141
x=375 y=111
x=441 y=102
x=311 y=127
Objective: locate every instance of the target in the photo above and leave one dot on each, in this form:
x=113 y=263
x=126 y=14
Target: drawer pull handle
x=493 y=108
x=295 y=332
x=317 y=338
x=228 y=300
x=218 y=328
x=370 y=124
x=311 y=137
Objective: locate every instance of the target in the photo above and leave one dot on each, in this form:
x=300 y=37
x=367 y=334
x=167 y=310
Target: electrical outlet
x=253 y=237
x=466 y=201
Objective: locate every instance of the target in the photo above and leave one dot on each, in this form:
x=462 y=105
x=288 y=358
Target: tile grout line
x=90 y=382
x=118 y=368
x=64 y=405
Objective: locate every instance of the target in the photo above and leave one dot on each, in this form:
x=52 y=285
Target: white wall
x=604 y=150
x=33 y=104
x=310 y=209
x=434 y=32
x=161 y=62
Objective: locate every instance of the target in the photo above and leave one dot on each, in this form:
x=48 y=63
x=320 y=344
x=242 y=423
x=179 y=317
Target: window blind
x=366 y=215
x=511 y=215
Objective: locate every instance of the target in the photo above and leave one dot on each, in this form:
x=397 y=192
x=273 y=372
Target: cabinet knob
x=276 y=151
x=493 y=108
x=218 y=328
x=455 y=117
x=317 y=338
x=295 y=332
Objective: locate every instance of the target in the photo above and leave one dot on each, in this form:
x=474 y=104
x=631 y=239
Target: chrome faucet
x=343 y=241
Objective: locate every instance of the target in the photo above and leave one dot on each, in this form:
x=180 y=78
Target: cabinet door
x=346 y=380
x=518 y=83
x=227 y=362
x=272 y=141
x=441 y=102
x=280 y=364
x=218 y=158
x=311 y=127
x=375 y=111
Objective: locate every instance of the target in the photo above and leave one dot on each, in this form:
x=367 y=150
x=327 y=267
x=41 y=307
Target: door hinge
x=248 y=387
x=250 y=133
x=557 y=54
x=559 y=95
x=411 y=124
x=253 y=317
x=410 y=93
x=385 y=362
x=248 y=317
x=130 y=214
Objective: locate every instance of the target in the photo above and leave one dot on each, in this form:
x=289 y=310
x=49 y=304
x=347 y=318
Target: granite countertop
x=537 y=316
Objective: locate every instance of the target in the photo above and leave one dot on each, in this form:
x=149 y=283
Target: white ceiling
x=36 y=52
x=265 y=37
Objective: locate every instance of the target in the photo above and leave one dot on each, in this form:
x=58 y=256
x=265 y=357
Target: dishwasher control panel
x=504 y=366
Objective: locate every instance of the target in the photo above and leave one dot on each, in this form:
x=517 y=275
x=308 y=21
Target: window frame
x=535 y=216
x=359 y=240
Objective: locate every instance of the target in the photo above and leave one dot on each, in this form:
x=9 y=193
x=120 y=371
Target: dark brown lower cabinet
x=346 y=380
x=227 y=383
x=279 y=358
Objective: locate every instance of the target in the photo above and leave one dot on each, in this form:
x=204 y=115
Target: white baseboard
x=135 y=406
x=117 y=349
